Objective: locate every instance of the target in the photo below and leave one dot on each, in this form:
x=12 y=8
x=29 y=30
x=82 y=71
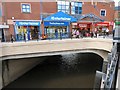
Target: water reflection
x=64 y=71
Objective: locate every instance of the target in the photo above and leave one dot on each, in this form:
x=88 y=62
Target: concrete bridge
x=55 y=47
x=10 y=70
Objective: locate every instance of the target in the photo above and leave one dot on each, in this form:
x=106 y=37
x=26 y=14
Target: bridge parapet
x=12 y=50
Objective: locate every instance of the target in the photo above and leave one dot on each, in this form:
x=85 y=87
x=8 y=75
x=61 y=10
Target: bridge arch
x=26 y=50
x=101 y=53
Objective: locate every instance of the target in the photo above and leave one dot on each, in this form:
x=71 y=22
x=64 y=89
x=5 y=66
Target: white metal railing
x=108 y=79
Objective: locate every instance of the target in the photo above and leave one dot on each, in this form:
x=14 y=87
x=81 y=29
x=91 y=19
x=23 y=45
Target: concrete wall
x=15 y=68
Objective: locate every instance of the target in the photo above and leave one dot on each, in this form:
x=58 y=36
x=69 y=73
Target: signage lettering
x=19 y=23
x=82 y=25
x=60 y=18
x=56 y=23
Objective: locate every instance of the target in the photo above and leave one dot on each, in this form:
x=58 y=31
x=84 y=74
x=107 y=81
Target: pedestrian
x=92 y=34
x=77 y=34
x=82 y=31
x=107 y=32
x=56 y=33
x=74 y=34
x=12 y=38
x=24 y=37
x=113 y=32
x=104 y=32
x=96 y=32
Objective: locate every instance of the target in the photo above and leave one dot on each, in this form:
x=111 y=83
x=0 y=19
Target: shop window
x=63 y=6
x=26 y=8
x=102 y=12
x=76 y=7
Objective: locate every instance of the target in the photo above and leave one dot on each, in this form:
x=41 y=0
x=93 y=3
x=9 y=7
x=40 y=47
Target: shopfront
x=58 y=25
x=3 y=31
x=27 y=30
x=104 y=25
x=84 y=26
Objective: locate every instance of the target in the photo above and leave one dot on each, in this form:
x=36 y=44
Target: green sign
x=117 y=23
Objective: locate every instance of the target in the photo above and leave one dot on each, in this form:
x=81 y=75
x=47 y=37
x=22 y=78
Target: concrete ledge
x=47 y=47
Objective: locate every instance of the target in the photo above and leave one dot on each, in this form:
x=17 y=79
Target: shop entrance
x=34 y=30
x=27 y=32
x=56 y=32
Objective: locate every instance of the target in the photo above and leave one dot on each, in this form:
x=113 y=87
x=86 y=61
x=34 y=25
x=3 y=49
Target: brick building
x=25 y=17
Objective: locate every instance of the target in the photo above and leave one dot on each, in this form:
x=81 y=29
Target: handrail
x=109 y=77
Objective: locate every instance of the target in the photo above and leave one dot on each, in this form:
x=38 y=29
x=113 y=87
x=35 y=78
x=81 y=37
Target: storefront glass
x=56 y=32
x=27 y=30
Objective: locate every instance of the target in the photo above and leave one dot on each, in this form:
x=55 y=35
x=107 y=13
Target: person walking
x=95 y=32
x=107 y=32
x=74 y=34
x=56 y=34
x=12 y=38
x=92 y=34
x=113 y=32
x=77 y=34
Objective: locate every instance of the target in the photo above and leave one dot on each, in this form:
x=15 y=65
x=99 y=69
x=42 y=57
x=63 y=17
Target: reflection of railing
x=110 y=76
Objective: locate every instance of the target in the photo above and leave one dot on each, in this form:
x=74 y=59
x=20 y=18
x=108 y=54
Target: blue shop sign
x=60 y=16
x=27 y=23
x=56 y=23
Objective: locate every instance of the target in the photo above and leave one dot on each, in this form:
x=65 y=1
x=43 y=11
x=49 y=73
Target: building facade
x=25 y=19
x=117 y=15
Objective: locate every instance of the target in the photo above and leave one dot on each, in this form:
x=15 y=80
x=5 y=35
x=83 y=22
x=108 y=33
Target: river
x=62 y=71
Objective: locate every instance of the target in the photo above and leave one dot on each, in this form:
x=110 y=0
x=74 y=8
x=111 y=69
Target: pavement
x=59 y=40
x=110 y=36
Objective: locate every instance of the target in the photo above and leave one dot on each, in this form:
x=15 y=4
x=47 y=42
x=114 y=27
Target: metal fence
x=109 y=78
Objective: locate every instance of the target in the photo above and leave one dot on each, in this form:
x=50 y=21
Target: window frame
x=75 y=7
x=103 y=10
x=65 y=5
x=25 y=8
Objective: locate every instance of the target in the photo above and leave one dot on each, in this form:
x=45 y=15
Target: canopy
x=91 y=17
x=60 y=16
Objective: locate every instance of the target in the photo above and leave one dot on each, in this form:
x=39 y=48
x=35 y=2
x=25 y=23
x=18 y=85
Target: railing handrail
x=111 y=68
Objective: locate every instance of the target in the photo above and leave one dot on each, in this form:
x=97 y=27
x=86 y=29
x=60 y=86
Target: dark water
x=67 y=71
